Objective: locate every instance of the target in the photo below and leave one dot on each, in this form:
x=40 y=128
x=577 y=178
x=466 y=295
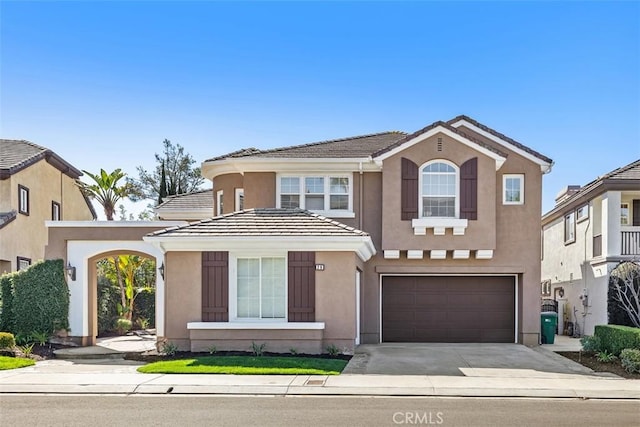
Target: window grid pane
x=249 y=288
x=439 y=190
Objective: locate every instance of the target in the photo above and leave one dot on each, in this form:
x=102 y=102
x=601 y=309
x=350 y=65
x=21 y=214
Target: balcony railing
x=597 y=245
x=630 y=243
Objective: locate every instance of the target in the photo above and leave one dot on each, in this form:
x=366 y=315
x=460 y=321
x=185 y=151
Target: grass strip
x=247 y=365
x=7 y=362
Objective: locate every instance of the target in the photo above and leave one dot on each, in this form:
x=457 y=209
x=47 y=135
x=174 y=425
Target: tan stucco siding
x=26 y=236
x=183 y=295
x=259 y=190
x=228 y=184
x=336 y=297
x=398 y=234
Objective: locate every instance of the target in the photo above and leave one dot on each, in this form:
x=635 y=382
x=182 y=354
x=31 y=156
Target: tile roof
x=355 y=146
x=630 y=172
x=16 y=155
x=501 y=136
x=432 y=126
x=7 y=217
x=262 y=223
x=197 y=200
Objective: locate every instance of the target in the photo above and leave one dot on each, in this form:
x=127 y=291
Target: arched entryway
x=81 y=244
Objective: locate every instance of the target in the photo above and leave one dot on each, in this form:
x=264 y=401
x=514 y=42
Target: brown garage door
x=448 y=309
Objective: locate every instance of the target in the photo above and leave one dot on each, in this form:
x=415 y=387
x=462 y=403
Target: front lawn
x=247 y=365
x=7 y=362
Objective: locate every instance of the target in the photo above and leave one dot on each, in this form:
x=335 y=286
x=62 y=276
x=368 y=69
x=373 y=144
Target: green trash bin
x=549 y=324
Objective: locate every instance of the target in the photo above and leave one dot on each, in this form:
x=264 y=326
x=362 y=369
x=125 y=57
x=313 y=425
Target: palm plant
x=106 y=190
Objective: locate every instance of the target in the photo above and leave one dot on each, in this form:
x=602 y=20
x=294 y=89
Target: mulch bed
x=154 y=357
x=589 y=360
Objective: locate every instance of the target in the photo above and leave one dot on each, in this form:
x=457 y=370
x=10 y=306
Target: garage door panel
x=448 y=309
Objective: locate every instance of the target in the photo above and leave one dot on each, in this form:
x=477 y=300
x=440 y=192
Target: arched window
x=439 y=190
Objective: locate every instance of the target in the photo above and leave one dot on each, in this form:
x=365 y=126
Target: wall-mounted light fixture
x=161 y=270
x=71 y=271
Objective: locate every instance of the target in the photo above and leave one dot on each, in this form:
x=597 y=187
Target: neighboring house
x=389 y=237
x=36 y=185
x=589 y=231
x=186 y=207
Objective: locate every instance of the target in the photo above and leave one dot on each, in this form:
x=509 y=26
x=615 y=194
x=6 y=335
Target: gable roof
x=16 y=155
x=499 y=135
x=625 y=176
x=433 y=126
x=352 y=147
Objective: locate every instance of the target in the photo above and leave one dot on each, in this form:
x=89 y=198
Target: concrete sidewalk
x=121 y=377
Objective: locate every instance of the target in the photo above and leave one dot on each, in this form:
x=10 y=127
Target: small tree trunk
x=123 y=295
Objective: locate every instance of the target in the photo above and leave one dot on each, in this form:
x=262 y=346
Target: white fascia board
x=185 y=214
x=114 y=224
x=242 y=165
x=545 y=167
x=441 y=129
x=363 y=246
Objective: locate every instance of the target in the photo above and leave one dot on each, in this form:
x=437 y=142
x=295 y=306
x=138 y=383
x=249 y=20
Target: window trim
x=55 y=205
x=20 y=258
x=580 y=218
x=239 y=193
x=628 y=213
x=506 y=176
x=233 y=286
x=334 y=213
x=21 y=189
x=568 y=240
x=456 y=187
x=219 y=202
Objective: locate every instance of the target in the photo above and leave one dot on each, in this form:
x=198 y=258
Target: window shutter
x=469 y=189
x=215 y=286
x=409 y=191
x=302 y=286
x=636 y=212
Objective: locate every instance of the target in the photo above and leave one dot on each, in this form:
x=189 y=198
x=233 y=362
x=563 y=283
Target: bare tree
x=625 y=288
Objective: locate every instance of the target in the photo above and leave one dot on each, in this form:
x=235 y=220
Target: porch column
x=611 y=234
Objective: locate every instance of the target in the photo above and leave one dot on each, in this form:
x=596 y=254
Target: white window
x=439 y=190
x=570 y=228
x=582 y=213
x=23 y=200
x=219 y=202
x=513 y=189
x=327 y=194
x=239 y=199
x=23 y=263
x=261 y=288
x=55 y=211
x=624 y=213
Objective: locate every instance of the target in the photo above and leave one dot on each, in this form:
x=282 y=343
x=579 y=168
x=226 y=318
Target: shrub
x=145 y=306
x=615 y=338
x=40 y=337
x=630 y=359
x=7 y=315
x=123 y=326
x=257 y=349
x=212 y=349
x=169 y=348
x=108 y=298
x=333 y=350
x=605 y=357
x=41 y=298
x=7 y=340
x=591 y=343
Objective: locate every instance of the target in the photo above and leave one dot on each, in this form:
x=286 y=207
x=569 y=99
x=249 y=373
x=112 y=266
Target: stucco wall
x=228 y=184
x=259 y=190
x=26 y=236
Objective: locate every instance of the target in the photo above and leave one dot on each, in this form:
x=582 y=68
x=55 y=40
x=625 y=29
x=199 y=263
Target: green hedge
x=615 y=338
x=7 y=316
x=39 y=299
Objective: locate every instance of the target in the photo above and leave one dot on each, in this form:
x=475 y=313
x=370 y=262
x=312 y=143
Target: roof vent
x=566 y=192
x=439 y=144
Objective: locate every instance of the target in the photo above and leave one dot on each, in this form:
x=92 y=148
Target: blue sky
x=103 y=83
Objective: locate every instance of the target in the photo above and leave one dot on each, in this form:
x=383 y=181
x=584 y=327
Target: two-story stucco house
x=391 y=237
x=36 y=185
x=589 y=231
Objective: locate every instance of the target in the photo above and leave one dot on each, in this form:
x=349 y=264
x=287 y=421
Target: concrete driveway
x=459 y=360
